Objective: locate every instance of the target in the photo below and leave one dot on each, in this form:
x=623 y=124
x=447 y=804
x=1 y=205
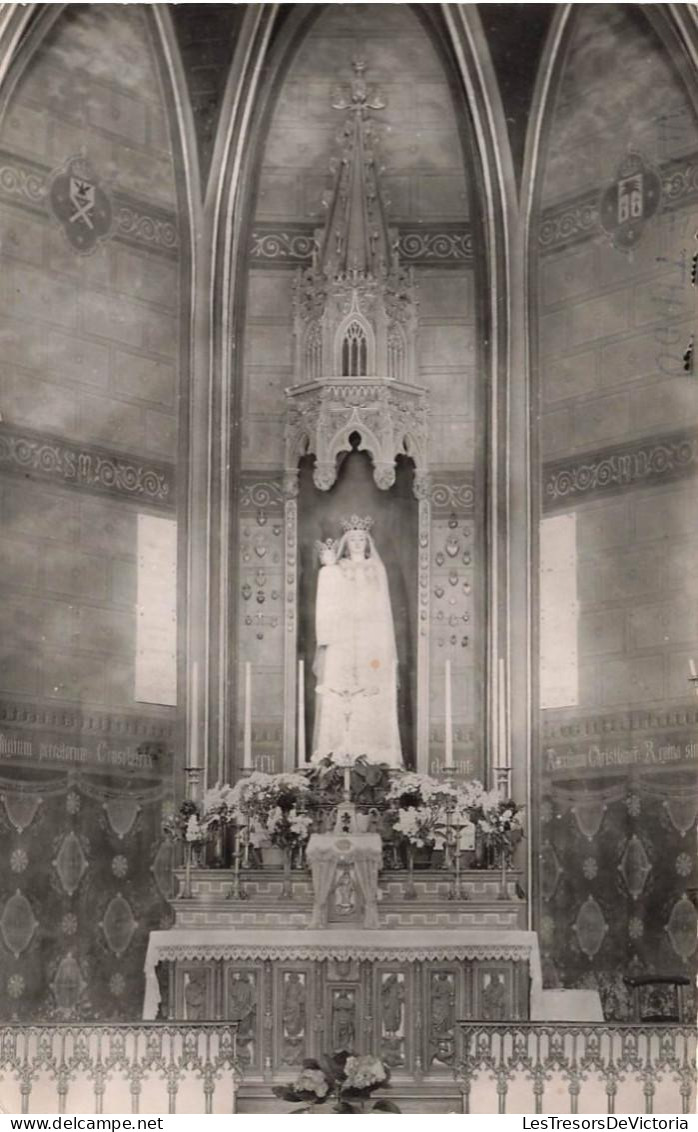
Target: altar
x=396 y=991
x=380 y=740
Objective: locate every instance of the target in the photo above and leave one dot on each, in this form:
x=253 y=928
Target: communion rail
x=118 y=1068
x=577 y=1067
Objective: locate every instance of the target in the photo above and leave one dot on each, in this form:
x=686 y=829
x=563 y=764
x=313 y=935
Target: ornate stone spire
x=356 y=308
x=356 y=238
x=355 y=324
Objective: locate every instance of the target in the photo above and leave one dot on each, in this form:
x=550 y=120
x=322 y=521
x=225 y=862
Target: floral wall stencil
x=83 y=880
x=615 y=885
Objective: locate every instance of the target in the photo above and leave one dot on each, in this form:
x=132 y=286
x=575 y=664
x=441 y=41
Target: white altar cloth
x=338 y=943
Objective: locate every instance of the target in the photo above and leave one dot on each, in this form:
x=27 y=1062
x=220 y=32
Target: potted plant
x=342 y=1083
x=271 y=807
x=418 y=808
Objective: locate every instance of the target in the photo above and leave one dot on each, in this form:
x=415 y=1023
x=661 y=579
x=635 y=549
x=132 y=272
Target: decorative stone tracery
x=355 y=326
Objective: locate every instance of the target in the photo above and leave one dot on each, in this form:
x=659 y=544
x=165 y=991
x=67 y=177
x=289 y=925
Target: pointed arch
x=269 y=39
x=675 y=30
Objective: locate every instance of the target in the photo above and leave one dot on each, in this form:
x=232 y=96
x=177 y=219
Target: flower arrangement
x=414 y=810
x=271 y=806
x=345 y=1079
x=502 y=823
x=216 y=805
x=416 y=790
x=420 y=826
x=186 y=825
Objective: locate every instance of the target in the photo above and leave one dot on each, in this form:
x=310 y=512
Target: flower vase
x=287 y=887
x=215 y=849
x=186 y=891
x=503 y=893
x=480 y=861
x=410 y=890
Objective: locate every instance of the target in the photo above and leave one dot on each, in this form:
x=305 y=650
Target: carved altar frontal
x=394 y=992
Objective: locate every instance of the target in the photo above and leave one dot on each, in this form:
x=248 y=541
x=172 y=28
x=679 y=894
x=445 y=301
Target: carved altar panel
x=243 y=1002
x=295 y=1009
x=345 y=1011
x=195 y=991
x=442 y=1003
x=393 y=996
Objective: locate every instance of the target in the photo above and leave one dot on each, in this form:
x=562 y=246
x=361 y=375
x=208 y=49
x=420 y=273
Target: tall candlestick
x=448 y=745
x=502 y=708
x=692 y=667
x=247 y=734
x=194 y=717
x=301 y=713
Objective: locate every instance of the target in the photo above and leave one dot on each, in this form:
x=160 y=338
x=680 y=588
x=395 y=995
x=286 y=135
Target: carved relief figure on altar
x=441 y=1032
x=293 y=1017
x=392 y=996
x=242 y=1008
x=195 y=983
x=344 y=1020
x=356 y=658
x=494 y=997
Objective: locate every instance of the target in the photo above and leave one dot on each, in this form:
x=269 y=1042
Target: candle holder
x=693 y=681
x=504 y=861
x=448 y=775
x=192 y=779
x=455 y=891
x=238 y=890
x=410 y=892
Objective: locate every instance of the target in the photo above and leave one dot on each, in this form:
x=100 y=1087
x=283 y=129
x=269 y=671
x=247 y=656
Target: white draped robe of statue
x=356 y=663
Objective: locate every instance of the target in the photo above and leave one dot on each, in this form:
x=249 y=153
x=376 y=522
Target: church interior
x=348 y=457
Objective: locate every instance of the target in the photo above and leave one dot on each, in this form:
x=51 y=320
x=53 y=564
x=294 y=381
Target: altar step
x=269 y=900
x=409 y=1095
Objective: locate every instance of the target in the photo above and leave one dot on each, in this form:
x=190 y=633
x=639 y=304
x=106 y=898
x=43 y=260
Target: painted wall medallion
x=17 y=923
x=630 y=201
x=80 y=205
x=590 y=927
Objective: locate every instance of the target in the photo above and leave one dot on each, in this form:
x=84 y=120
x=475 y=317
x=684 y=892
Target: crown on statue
x=354 y=523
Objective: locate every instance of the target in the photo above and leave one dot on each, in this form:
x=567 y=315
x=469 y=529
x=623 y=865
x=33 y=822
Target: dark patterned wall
x=84 y=877
x=618 y=859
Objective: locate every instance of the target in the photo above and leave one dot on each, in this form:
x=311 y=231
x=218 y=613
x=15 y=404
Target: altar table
x=398 y=993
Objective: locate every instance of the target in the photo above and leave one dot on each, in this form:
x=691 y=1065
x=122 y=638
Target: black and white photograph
x=348 y=560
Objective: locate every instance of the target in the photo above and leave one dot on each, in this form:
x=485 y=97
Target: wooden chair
x=649 y=995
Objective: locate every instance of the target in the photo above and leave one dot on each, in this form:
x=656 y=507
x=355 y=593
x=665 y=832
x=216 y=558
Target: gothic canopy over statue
x=355 y=325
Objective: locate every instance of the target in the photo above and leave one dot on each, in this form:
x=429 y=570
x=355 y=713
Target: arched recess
x=267 y=45
x=613 y=423
x=97 y=352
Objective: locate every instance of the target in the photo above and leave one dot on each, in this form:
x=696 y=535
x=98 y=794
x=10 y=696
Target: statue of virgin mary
x=356 y=658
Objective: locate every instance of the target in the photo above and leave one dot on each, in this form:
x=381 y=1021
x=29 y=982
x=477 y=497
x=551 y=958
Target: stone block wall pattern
x=89 y=376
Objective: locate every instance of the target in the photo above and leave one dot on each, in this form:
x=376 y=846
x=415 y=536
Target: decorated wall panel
x=90 y=243
x=84 y=878
x=618 y=410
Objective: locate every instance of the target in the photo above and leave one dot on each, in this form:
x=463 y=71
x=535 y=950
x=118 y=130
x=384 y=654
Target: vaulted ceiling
x=207 y=35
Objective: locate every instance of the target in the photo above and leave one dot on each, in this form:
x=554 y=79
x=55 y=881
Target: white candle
x=301 y=713
x=692 y=667
x=448 y=745
x=194 y=717
x=247 y=734
x=502 y=752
